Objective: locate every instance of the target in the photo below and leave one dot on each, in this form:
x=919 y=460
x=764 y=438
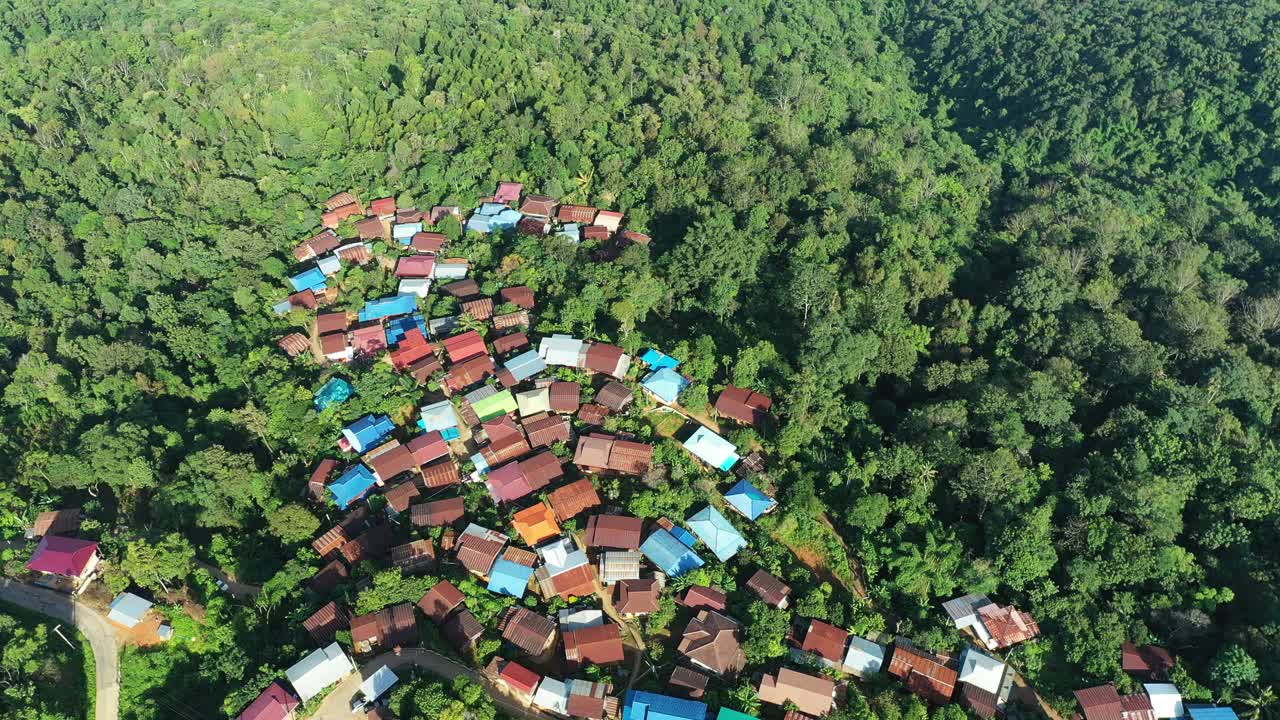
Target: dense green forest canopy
x=1009 y=270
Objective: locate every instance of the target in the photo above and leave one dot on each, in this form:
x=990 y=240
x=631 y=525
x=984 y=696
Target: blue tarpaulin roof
x=749 y=500
x=493 y=216
x=367 y=431
x=643 y=705
x=657 y=359
x=509 y=578
x=717 y=532
x=666 y=383
x=672 y=556
x=352 y=485
x=397 y=328
x=334 y=392
x=388 y=307
x=312 y=279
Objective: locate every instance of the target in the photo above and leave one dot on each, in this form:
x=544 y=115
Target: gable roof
x=352 y=485
x=462 y=629
x=371 y=542
x=576 y=214
x=749 y=500
x=525 y=365
x=565 y=396
x=711 y=448
x=615 y=396
x=439 y=416
x=274 y=703
x=367 y=432
x=507 y=483
x=504 y=344
x=642 y=705
x=427 y=447
x=745 y=406
x=864 y=657
x=701 y=597
x=416 y=266
x=509 y=578
x=608 y=359
x=717 y=532
x=825 y=641
x=56 y=522
x=389 y=307
x=614 y=531
x=328 y=577
x=441 y=600
x=324 y=623
x=670 y=555
x=441 y=474
x=1008 y=625
x=464 y=346
x=520 y=295
x=438 y=512
x=769 y=588
x=812 y=694
x=546 y=430
x=710 y=641
x=62 y=555
x=1150 y=660
x=389 y=460
x=572 y=499
x=542 y=469
x=389 y=627
x=597 y=645
x=924 y=674
x=416 y=556
x=478 y=550
x=1100 y=702
x=981 y=670
x=318 y=670
x=1166 y=700
x=561 y=350
x=527 y=630
x=519 y=677
x=128 y=609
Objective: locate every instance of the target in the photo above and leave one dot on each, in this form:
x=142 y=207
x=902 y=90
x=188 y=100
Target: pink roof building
x=69 y=557
x=508 y=192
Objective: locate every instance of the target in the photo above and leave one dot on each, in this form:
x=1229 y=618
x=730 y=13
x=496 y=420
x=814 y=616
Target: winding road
x=102 y=636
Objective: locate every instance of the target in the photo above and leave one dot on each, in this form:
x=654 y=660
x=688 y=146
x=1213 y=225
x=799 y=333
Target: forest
x=1009 y=271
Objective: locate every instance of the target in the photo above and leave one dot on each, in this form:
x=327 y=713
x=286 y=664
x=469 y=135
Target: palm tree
x=1258 y=703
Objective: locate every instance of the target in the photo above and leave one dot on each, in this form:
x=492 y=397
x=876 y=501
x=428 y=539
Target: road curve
x=337 y=704
x=102 y=637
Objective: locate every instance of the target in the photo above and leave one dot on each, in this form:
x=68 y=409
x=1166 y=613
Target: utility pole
x=58 y=629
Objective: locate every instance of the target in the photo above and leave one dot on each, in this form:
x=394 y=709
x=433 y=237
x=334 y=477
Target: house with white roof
x=563 y=350
x=864 y=657
x=317 y=671
x=1166 y=700
x=981 y=670
x=712 y=449
x=552 y=695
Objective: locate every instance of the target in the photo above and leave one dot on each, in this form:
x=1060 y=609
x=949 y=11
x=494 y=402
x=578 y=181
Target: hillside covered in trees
x=1009 y=272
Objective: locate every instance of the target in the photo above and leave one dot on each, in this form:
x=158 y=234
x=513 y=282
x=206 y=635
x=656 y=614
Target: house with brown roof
x=392 y=627
x=637 y=597
x=509 y=448
x=813 y=695
x=822 y=642
x=462 y=630
x=565 y=397
x=442 y=473
x=399 y=497
x=545 y=430
x=746 y=406
x=924 y=674
x=428 y=242
x=615 y=396
x=505 y=344
x=520 y=295
x=389 y=461
x=688 y=683
x=519 y=318
x=327 y=578
x=582 y=214
x=608 y=359
x=571 y=500
x=330 y=542
x=595 y=232
x=769 y=589
x=441 y=600
x=371 y=228
x=370 y=544
x=710 y=642
x=383 y=207
x=343 y=199
x=535 y=524
x=1007 y=625
x=541 y=470
x=325 y=623
x=319 y=244
x=593 y=414
x=294 y=344
x=334 y=217
x=527 y=630
x=598 y=452
x=469 y=372
x=478 y=549
x=597 y=645
x=405 y=216
x=56 y=522
x=320 y=477
x=335 y=347
x=620 y=532
x=701 y=597
x=438 y=513
x=1149 y=663
x=416 y=557
x=538 y=206
x=480 y=308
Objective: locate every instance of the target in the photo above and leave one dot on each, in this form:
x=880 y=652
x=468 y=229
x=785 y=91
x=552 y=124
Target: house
x=519 y=679
x=427 y=447
x=579 y=619
x=334 y=392
x=521 y=368
x=508 y=192
x=637 y=597
x=671 y=556
x=504 y=344
x=811 y=694
x=335 y=347
x=701 y=597
x=541 y=470
x=478 y=549
x=428 y=242
x=468 y=373
x=769 y=589
x=66 y=563
x=731 y=714
x=710 y=641
x=404 y=232
x=370 y=544
x=330 y=542
x=924 y=674
x=1138 y=707
x=615 y=396
x=508 y=483
x=312 y=279
x=546 y=430
x=442 y=326
x=334 y=218
x=571 y=500
x=657 y=360
x=390 y=460
x=665 y=384
x=478 y=309
x=598 y=452
x=384 y=208
x=749 y=501
x=520 y=295
x=1166 y=700
x=618 y=565
x=441 y=600
x=370 y=228
x=416 y=266
x=352 y=485
x=712 y=449
x=409 y=215
x=538 y=206
x=589 y=700
x=55 y=522
x=1146 y=662
x=576 y=214
x=593 y=414
x=325 y=623
x=607 y=359
x=441 y=474
x=294 y=344
x=505 y=321
x=598 y=645
x=415 y=558
x=566 y=571
x=717 y=532
x=508 y=577
x=570 y=232
x=437 y=513
x=331 y=323
x=746 y=406
x=374 y=686
x=1208 y=713
x=642 y=705
x=464 y=346
x=369 y=340
x=562 y=350
x=462 y=630
x=982 y=671
x=822 y=642
x=275 y=703
x=534 y=402
x=418 y=287
x=440 y=212
x=690 y=683
x=440 y=417
x=357 y=253
x=620 y=532
x=610 y=219
x=388 y=307
x=318 y=670
x=1101 y=702
x=552 y=696
x=366 y=432
x=494 y=405
x=963 y=612
x=319 y=244
x=128 y=609
x=865 y=658
x=565 y=397
x=535 y=524
x=492 y=217
x=528 y=631
x=327 y=578
x=537 y=227
x=1007 y=626
x=392 y=627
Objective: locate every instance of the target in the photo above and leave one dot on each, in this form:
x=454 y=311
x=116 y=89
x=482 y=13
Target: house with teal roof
x=367 y=432
x=442 y=417
x=657 y=360
x=509 y=578
x=334 y=392
x=312 y=279
x=730 y=714
x=717 y=532
x=749 y=500
x=670 y=555
x=353 y=484
x=712 y=449
x=642 y=705
x=665 y=384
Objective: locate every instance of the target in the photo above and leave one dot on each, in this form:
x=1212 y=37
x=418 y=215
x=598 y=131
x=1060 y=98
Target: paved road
x=337 y=705
x=102 y=636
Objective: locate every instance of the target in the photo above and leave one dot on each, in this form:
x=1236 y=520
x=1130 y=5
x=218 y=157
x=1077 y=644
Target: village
x=494 y=487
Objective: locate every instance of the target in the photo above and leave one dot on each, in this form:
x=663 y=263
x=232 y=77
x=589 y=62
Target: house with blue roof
x=731 y=714
x=440 y=416
x=683 y=536
x=571 y=232
x=334 y=392
x=525 y=365
x=388 y=307
x=352 y=485
x=749 y=500
x=712 y=449
x=641 y=705
x=657 y=360
x=1207 y=712
x=367 y=432
x=665 y=384
x=509 y=578
x=717 y=532
x=672 y=556
x=493 y=217
x=397 y=327
x=404 y=232
x=312 y=279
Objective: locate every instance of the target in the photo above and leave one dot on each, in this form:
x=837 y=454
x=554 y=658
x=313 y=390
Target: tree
x=766 y=633
x=1232 y=668
x=157 y=563
x=293 y=523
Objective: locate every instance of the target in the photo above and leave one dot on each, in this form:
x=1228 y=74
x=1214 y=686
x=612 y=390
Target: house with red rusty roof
x=464 y=346
x=527 y=631
x=596 y=645
x=924 y=674
x=821 y=642
x=618 y=532
x=396 y=626
x=325 y=623
x=571 y=500
x=438 y=513
x=746 y=406
x=441 y=600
